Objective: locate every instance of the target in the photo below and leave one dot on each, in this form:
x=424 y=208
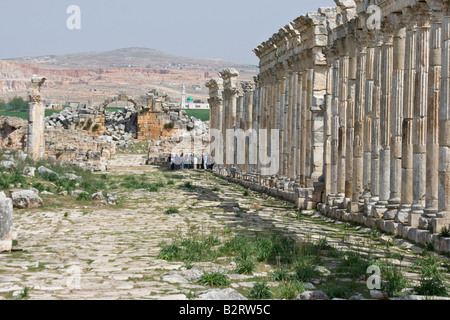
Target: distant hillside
x=96 y=75
x=130 y=58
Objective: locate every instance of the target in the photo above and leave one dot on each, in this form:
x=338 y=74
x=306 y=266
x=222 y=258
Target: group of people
x=191 y=161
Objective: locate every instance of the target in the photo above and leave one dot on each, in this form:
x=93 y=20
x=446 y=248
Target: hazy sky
x=225 y=29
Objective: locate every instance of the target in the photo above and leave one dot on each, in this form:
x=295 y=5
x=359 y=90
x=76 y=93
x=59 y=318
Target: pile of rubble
x=121 y=126
x=72 y=116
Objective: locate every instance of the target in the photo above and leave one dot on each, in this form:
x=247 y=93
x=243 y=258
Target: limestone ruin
x=361 y=104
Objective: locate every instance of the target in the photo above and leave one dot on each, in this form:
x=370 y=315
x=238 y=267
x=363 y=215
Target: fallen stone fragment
x=25 y=199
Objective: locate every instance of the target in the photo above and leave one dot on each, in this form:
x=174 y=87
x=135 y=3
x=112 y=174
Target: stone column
x=335 y=129
x=281 y=123
x=358 y=150
x=6 y=223
x=385 y=120
x=309 y=165
x=299 y=128
x=407 y=125
x=368 y=106
x=432 y=152
x=350 y=117
x=420 y=119
x=327 y=131
x=303 y=140
x=375 y=165
x=36 y=111
x=443 y=216
x=342 y=111
x=292 y=125
x=396 y=123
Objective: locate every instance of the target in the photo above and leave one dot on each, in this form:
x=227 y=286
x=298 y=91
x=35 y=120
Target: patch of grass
x=354 y=264
x=170 y=182
x=203 y=115
x=40 y=266
x=188 y=185
x=193 y=248
x=172 y=211
x=289 y=289
x=24 y=293
x=261 y=290
x=214 y=279
x=342 y=290
x=84 y=197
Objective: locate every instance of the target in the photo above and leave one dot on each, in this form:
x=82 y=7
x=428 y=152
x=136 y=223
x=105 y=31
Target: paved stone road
x=104 y=252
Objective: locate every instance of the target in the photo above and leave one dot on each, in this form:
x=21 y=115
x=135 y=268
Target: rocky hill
x=97 y=75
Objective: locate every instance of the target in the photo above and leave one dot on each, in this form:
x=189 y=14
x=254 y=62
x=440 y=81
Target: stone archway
x=123 y=97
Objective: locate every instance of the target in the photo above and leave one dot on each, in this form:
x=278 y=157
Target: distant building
x=189 y=103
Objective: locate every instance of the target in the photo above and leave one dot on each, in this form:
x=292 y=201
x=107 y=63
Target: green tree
x=18 y=104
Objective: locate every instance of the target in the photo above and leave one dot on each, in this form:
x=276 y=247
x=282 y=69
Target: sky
x=226 y=29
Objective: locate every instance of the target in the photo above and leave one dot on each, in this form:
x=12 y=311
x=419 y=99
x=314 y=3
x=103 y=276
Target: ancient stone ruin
x=147 y=119
x=36 y=111
x=360 y=102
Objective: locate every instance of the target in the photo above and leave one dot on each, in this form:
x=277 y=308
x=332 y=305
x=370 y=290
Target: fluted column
x=327 y=131
x=350 y=117
x=443 y=216
x=368 y=106
x=434 y=91
x=342 y=111
x=420 y=119
x=303 y=140
x=358 y=142
x=407 y=125
x=385 y=120
x=396 y=123
x=299 y=129
x=375 y=165
x=335 y=129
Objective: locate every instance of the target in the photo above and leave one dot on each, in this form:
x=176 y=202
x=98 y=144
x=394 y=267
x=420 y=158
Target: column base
x=442 y=221
x=403 y=213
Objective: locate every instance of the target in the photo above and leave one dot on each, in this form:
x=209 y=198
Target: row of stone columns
x=356 y=113
x=387 y=111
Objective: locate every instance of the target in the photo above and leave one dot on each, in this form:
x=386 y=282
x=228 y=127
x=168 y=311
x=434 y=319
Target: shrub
x=261 y=290
x=290 y=289
x=169 y=126
x=214 y=279
x=445 y=232
x=95 y=127
x=393 y=280
x=88 y=124
x=281 y=274
x=431 y=277
x=305 y=270
x=245 y=265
